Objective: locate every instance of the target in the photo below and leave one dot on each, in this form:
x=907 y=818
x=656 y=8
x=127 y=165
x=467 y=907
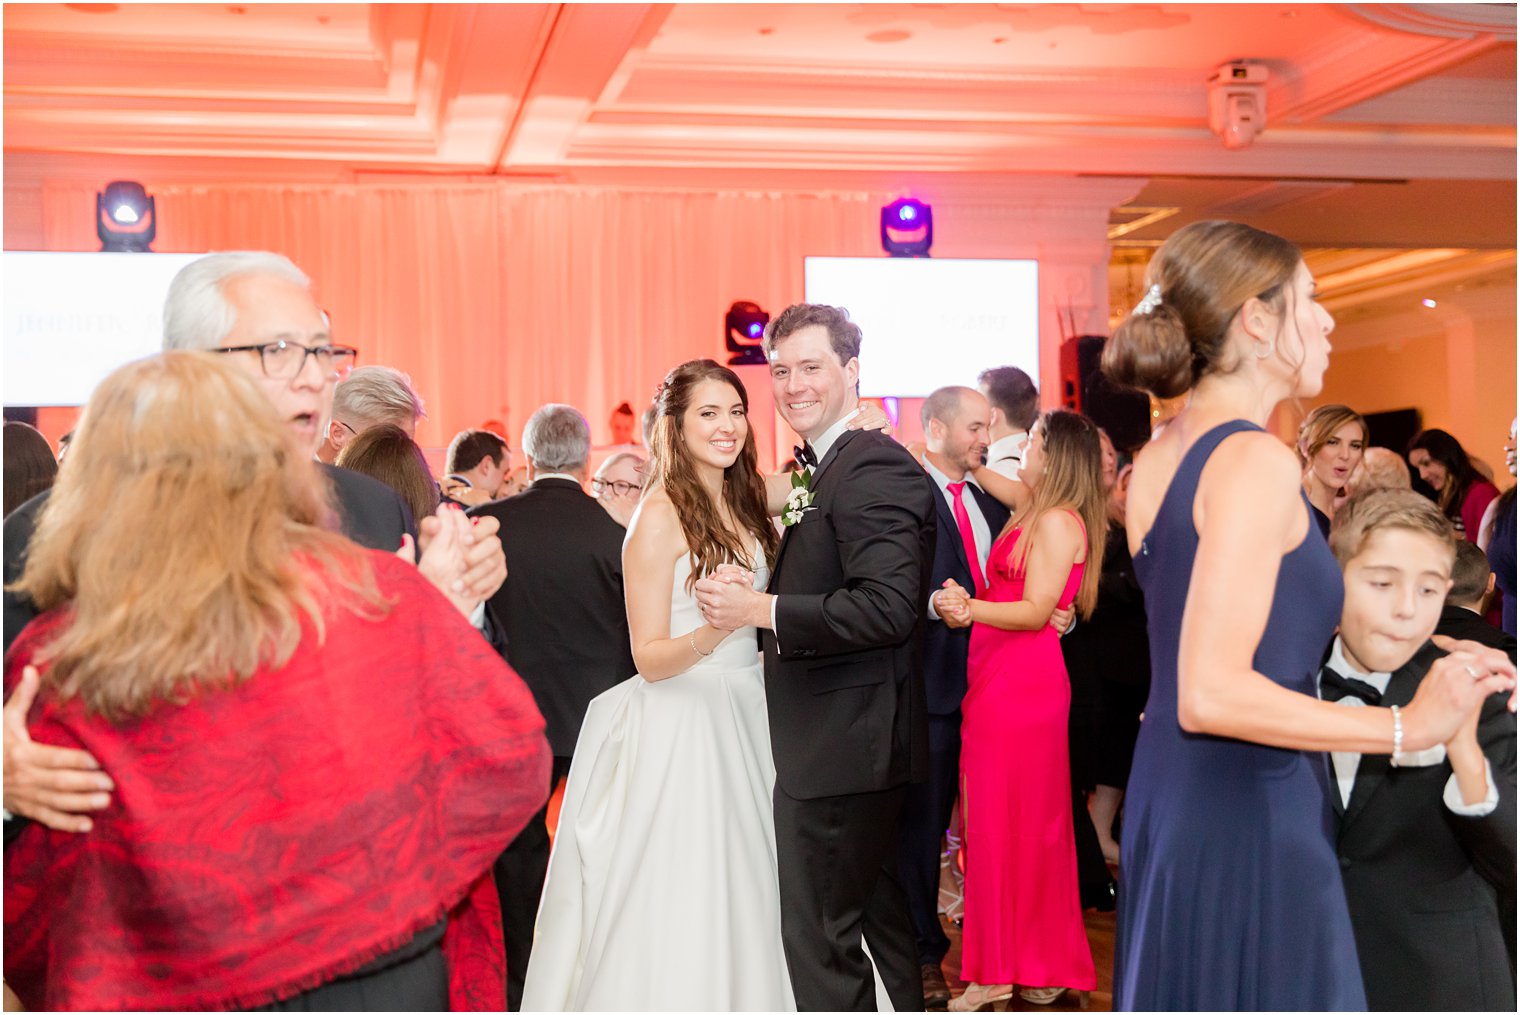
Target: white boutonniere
x=800 y=499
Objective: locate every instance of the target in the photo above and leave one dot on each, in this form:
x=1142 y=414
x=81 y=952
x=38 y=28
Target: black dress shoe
x=1103 y=899
x=936 y=990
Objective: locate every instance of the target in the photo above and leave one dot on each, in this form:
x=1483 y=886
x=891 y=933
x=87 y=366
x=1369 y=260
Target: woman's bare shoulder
x=655 y=526
x=1256 y=458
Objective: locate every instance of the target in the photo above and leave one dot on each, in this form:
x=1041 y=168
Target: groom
x=842 y=625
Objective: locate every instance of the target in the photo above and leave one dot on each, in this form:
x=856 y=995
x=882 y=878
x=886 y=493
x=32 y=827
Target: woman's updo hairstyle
x=1195 y=285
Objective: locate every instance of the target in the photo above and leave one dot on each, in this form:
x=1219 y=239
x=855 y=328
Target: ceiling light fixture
x=907 y=228
x=1238 y=102
x=744 y=332
x=126 y=219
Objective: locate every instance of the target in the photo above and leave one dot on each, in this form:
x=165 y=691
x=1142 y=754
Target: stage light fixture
x=743 y=330
x=126 y=218
x=907 y=228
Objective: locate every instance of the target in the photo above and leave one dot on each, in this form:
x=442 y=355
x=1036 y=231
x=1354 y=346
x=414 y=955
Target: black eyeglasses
x=287 y=359
x=620 y=487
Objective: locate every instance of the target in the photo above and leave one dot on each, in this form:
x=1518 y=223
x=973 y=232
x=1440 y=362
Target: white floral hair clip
x=1150 y=301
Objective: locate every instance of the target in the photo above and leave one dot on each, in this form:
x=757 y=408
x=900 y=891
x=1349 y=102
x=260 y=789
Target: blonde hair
x=1387 y=508
x=1072 y=480
x=1379 y=467
x=190 y=538
x=1321 y=424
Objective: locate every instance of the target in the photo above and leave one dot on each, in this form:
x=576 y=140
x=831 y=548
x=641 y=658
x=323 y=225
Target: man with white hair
x=257 y=308
x=367 y=397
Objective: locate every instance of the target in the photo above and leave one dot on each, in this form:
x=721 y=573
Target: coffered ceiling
x=1377 y=115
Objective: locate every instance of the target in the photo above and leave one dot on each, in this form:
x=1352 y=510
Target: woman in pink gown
x=1023 y=918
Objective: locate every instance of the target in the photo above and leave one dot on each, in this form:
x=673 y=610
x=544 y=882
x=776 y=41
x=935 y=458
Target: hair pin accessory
x=1150 y=301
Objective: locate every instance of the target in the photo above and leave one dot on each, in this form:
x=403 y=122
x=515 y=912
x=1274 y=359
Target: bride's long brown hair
x=709 y=541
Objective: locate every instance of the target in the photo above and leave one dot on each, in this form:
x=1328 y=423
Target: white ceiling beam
x=586 y=48
x=1353 y=66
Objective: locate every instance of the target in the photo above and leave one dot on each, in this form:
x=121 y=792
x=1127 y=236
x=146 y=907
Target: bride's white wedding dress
x=662 y=891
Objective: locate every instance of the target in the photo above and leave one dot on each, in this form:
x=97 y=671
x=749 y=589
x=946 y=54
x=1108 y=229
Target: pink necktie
x=968 y=539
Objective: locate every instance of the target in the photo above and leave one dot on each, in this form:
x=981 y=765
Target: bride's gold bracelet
x=692 y=637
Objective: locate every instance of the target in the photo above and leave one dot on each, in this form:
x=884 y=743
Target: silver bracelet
x=692 y=637
x=1398 y=737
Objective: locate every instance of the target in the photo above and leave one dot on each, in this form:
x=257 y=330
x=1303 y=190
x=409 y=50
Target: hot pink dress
x=1023 y=916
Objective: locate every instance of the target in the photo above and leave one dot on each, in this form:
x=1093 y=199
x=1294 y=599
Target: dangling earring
x=1271 y=348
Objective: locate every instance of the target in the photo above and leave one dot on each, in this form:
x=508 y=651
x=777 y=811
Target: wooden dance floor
x=1100 y=934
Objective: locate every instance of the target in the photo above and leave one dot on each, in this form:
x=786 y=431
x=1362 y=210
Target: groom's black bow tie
x=1334 y=687
x=805 y=456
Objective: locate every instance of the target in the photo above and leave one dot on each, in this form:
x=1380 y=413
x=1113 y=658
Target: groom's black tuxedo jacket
x=1428 y=888
x=843 y=669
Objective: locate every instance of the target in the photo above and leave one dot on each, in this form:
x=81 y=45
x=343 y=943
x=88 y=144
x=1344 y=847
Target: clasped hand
x=953 y=604
x=1446 y=706
x=461 y=556
x=727 y=597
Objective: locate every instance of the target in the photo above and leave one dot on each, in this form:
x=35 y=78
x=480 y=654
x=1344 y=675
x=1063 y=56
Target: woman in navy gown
x=1231 y=897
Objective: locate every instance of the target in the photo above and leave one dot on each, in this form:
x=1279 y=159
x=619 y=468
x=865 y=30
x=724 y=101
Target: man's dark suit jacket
x=843 y=670
x=945 y=648
x=370 y=513
x=561 y=607
x=1427 y=887
x=1458 y=622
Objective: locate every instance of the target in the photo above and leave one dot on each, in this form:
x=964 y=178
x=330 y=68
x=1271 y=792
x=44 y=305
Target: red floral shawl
x=264 y=840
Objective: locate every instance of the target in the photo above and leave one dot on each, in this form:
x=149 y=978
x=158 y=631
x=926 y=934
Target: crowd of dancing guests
x=285 y=711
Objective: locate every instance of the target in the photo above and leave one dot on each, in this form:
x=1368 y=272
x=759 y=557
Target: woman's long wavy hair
x=1072 y=480
x=190 y=538
x=710 y=542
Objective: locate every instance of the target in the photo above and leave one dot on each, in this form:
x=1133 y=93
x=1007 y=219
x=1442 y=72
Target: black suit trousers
x=926 y=814
x=520 y=873
x=837 y=859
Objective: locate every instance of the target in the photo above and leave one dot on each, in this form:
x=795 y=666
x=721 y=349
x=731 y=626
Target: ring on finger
x=1472 y=672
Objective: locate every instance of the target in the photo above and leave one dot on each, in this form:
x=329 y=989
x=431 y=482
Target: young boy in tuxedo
x=1426 y=840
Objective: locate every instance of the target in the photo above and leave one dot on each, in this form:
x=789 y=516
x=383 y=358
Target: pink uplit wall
x=498 y=298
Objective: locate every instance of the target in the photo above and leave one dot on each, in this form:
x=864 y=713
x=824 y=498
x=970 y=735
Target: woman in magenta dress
x=1023 y=917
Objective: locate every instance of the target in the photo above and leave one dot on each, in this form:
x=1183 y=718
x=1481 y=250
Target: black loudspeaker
x=1124 y=414
x=1394 y=429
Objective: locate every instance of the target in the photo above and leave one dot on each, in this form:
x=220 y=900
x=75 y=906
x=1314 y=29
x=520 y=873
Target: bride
x=662 y=890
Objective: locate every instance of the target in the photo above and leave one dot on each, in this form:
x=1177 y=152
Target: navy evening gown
x=1230 y=897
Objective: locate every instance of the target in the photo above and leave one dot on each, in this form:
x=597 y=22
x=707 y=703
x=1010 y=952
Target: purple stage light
x=907 y=228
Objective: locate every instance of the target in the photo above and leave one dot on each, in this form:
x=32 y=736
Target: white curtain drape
x=498 y=298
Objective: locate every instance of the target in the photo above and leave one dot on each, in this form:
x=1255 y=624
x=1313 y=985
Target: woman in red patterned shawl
x=316 y=757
